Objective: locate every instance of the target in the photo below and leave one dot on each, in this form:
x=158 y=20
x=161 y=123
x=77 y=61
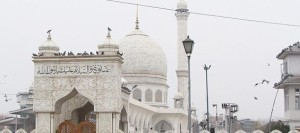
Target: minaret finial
x=108 y=33
x=137 y=17
x=49 y=34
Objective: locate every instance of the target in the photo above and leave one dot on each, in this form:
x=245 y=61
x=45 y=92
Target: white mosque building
x=120 y=88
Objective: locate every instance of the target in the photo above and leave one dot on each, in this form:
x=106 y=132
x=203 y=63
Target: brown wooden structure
x=83 y=127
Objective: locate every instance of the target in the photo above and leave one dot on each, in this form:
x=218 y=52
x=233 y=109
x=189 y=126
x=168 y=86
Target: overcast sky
x=238 y=51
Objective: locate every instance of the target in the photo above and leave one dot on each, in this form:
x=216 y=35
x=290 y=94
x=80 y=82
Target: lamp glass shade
x=188 y=45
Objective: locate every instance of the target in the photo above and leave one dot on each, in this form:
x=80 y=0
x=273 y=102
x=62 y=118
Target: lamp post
x=207 y=68
x=215 y=105
x=188 y=47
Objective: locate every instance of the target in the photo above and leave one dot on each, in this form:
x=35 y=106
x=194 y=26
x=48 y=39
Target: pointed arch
x=84 y=113
x=58 y=103
x=124 y=115
x=123 y=124
x=162 y=126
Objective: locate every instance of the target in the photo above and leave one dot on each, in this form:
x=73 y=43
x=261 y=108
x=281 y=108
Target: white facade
x=121 y=88
x=290 y=82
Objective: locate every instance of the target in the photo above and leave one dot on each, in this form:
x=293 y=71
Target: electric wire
x=211 y=15
x=7 y=94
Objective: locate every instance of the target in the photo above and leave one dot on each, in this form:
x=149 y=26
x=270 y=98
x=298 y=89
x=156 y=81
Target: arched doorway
x=77 y=114
x=162 y=126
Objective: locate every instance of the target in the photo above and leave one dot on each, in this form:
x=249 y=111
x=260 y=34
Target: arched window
x=162 y=126
x=158 y=96
x=137 y=94
x=148 y=95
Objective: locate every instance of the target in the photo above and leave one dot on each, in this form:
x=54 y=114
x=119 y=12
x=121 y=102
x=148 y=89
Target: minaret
x=182 y=69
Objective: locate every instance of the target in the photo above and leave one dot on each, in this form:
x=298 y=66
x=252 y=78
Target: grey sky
x=238 y=51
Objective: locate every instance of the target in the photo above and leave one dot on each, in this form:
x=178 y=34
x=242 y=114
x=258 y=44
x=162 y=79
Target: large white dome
x=142 y=55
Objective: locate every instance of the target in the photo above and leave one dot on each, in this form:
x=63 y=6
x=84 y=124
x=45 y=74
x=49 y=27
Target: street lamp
x=207 y=68
x=215 y=105
x=188 y=47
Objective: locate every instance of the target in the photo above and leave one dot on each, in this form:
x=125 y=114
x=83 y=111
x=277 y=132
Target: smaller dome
x=181 y=4
x=178 y=96
x=48 y=46
x=109 y=46
x=108 y=41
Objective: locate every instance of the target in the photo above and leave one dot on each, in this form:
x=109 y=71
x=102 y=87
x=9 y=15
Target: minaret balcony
x=287 y=80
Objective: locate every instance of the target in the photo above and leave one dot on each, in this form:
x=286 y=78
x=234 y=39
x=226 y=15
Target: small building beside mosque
x=290 y=83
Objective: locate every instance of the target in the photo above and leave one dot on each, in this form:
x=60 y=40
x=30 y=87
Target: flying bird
x=264 y=80
x=5 y=76
x=269 y=64
x=255 y=98
x=109 y=29
x=256 y=84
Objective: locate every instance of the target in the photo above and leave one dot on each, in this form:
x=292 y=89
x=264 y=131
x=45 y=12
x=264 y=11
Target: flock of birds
x=264 y=81
x=82 y=54
x=79 y=54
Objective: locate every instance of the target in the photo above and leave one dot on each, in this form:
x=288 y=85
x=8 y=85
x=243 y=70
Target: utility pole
x=207 y=113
